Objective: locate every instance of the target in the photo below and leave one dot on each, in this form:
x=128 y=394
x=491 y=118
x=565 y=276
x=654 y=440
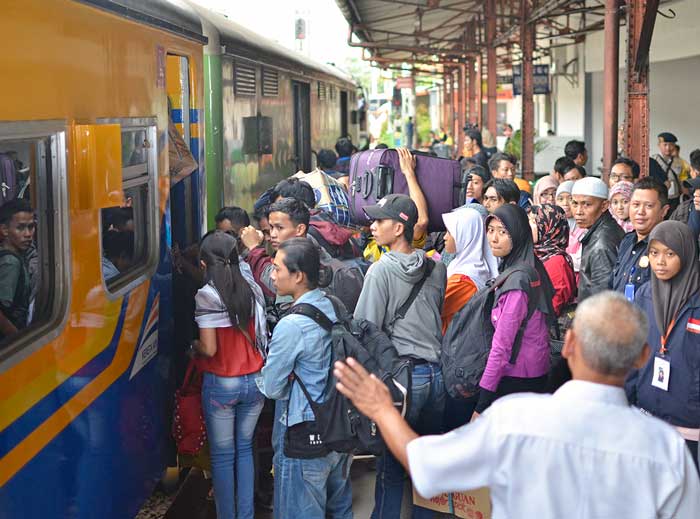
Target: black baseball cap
x=394 y=207
x=667 y=137
x=692 y=183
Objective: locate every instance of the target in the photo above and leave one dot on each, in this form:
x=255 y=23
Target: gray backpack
x=467 y=342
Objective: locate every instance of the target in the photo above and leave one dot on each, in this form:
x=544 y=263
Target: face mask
x=447 y=257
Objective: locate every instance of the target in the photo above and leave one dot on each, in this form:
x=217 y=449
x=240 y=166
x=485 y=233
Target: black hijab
x=521 y=267
x=669 y=297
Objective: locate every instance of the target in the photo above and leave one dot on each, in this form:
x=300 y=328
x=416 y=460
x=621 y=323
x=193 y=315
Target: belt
x=415 y=361
x=687 y=433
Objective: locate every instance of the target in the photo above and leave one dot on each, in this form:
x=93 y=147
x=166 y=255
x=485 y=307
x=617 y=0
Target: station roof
x=433 y=33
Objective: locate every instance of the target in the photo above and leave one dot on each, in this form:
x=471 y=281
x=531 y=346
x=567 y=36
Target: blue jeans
x=316 y=488
x=231 y=408
x=426 y=417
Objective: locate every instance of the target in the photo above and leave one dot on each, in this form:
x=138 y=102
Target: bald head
x=611 y=333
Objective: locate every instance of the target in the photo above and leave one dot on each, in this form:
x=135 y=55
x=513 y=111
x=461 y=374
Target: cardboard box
x=472 y=505
x=475 y=504
x=439 y=503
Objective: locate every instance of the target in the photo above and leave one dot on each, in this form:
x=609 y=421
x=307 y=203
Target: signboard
x=404 y=82
x=540 y=79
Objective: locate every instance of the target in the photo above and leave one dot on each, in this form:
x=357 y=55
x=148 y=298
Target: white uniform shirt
x=580 y=453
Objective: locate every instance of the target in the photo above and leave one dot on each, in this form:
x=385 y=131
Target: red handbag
x=188 y=428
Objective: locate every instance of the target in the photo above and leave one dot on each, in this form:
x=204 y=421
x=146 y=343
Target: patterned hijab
x=623 y=188
x=552 y=231
x=542 y=185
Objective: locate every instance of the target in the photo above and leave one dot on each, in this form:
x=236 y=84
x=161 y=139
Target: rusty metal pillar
x=445 y=101
x=461 y=98
x=610 y=84
x=640 y=26
x=472 y=91
x=527 y=44
x=491 y=96
x=479 y=91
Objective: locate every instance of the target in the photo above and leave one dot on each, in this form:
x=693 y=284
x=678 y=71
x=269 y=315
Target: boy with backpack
x=414 y=326
x=290 y=218
x=310 y=480
x=17 y=228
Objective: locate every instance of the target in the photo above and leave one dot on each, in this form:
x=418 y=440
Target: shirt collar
x=583 y=390
x=311 y=296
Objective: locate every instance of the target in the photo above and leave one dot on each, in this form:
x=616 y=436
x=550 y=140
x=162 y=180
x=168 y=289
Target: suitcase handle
x=366 y=182
x=385 y=181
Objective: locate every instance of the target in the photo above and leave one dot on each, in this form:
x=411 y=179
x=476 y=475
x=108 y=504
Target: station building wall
x=674 y=79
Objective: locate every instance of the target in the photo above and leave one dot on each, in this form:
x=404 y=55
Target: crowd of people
x=607 y=270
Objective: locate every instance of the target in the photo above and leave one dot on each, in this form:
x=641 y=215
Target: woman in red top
x=550 y=232
x=232 y=339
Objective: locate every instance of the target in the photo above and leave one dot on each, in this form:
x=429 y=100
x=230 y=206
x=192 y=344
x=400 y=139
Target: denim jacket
x=299 y=346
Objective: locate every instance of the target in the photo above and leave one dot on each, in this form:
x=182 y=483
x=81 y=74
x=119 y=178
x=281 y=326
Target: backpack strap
x=313 y=313
x=401 y=312
x=521 y=331
x=517 y=343
x=22 y=272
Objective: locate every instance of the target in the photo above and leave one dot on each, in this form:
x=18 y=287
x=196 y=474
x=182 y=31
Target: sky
x=327 y=29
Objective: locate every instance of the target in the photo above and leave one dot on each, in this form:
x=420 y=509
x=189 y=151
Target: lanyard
x=664 y=338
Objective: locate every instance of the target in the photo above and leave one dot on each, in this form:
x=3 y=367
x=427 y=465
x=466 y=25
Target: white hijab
x=474 y=257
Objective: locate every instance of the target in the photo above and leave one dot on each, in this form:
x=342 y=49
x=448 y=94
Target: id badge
x=661 y=374
x=629 y=292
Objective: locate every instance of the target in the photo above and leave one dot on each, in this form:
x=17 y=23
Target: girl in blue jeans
x=231 y=318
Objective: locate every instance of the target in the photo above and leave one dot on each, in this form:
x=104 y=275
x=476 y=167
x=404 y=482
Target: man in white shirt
x=580 y=453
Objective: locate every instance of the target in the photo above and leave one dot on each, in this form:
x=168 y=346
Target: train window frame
x=139 y=274
x=52 y=213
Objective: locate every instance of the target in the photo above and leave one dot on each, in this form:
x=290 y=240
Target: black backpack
x=338 y=425
x=346 y=283
x=467 y=342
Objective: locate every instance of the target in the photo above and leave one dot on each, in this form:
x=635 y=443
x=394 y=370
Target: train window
x=331 y=90
x=34 y=266
x=270 y=82
x=130 y=231
x=321 y=90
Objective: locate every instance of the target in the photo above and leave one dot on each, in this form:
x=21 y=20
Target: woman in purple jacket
x=521 y=313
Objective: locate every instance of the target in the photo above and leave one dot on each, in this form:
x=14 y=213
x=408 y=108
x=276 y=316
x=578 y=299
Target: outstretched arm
x=372 y=398
x=408 y=167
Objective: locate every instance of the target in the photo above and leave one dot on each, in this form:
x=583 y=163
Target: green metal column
x=213 y=135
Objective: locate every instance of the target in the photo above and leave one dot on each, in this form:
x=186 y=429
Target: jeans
x=231 y=408
x=316 y=488
x=426 y=417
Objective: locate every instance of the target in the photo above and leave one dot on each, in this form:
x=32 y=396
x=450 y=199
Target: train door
x=185 y=201
x=302 y=125
x=343 y=113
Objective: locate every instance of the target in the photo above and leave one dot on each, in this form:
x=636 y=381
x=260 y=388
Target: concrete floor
x=191 y=502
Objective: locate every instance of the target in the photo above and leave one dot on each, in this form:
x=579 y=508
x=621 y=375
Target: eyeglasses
x=617 y=178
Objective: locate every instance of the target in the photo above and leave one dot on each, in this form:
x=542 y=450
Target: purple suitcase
x=376 y=173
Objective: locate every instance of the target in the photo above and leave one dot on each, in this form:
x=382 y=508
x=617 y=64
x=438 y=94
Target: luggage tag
x=661 y=373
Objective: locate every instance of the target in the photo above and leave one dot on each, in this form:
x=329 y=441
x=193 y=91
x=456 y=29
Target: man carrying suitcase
x=405 y=281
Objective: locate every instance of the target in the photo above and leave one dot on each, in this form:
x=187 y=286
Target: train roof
x=240 y=41
x=174 y=16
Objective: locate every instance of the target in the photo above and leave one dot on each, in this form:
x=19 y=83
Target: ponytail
x=219 y=252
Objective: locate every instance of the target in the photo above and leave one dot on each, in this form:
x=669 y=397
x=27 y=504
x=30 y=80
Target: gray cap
x=565 y=187
x=590 y=186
